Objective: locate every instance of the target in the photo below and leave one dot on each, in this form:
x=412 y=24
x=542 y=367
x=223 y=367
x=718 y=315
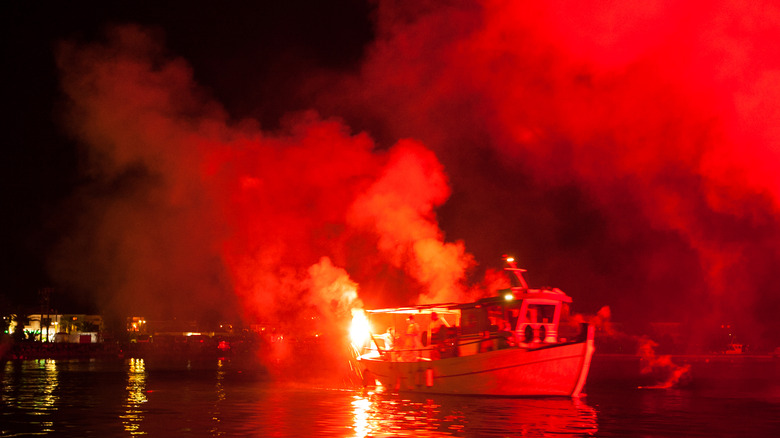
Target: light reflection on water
x=378 y=414
x=218 y=399
x=136 y=396
x=37 y=395
x=219 y=389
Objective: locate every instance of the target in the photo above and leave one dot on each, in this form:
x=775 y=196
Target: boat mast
x=517 y=271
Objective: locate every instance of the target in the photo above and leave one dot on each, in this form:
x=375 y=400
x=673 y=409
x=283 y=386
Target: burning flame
x=360 y=330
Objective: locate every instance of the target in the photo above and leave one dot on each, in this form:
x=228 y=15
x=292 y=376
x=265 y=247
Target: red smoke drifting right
x=624 y=152
x=630 y=145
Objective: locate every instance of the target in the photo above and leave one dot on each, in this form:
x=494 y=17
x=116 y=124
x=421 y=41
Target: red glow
x=666 y=373
x=663 y=115
x=281 y=220
x=633 y=147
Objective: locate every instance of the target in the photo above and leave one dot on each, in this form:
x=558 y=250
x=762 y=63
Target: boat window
x=540 y=313
x=497 y=318
x=469 y=322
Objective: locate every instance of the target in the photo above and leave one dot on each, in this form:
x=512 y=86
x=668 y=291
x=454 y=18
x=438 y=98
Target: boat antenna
x=515 y=270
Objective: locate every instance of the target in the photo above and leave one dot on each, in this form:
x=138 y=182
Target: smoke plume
x=660 y=368
x=187 y=213
x=627 y=150
x=625 y=153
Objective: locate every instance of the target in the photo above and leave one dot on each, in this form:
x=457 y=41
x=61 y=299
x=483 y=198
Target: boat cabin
x=516 y=317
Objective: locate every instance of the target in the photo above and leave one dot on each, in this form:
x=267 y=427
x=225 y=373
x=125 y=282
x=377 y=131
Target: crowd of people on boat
x=441 y=339
x=408 y=346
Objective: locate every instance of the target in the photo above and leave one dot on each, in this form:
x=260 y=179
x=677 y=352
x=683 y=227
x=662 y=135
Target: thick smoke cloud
x=625 y=153
x=188 y=213
x=400 y=207
x=630 y=149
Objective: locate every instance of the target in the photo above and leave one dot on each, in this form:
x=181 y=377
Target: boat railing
x=465 y=345
x=450 y=347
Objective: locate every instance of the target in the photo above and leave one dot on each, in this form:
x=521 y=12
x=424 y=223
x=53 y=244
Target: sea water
x=216 y=398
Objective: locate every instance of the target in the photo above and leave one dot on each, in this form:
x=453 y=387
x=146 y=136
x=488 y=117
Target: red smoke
x=189 y=210
x=638 y=140
x=399 y=207
x=664 y=372
x=624 y=152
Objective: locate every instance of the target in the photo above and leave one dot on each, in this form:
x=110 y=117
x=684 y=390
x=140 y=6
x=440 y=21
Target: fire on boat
x=512 y=344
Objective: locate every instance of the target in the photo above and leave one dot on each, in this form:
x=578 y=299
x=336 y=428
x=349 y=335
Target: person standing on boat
x=438 y=328
x=389 y=338
x=413 y=337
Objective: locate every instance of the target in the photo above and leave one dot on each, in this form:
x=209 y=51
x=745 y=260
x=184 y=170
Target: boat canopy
x=533 y=315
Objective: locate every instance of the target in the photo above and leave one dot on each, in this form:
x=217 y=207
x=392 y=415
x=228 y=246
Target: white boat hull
x=546 y=370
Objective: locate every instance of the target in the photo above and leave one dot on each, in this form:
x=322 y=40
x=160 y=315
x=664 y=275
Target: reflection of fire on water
x=660 y=367
x=364 y=425
x=375 y=413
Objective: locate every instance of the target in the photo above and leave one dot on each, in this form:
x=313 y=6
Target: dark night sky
x=627 y=155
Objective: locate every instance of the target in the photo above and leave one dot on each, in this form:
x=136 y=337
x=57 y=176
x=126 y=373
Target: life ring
x=542 y=333
x=529 y=334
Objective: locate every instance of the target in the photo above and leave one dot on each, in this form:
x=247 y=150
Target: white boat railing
x=464 y=345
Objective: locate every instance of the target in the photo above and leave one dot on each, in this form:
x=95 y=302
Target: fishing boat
x=512 y=344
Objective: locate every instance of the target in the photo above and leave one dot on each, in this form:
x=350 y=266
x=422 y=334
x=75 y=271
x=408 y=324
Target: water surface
x=83 y=398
